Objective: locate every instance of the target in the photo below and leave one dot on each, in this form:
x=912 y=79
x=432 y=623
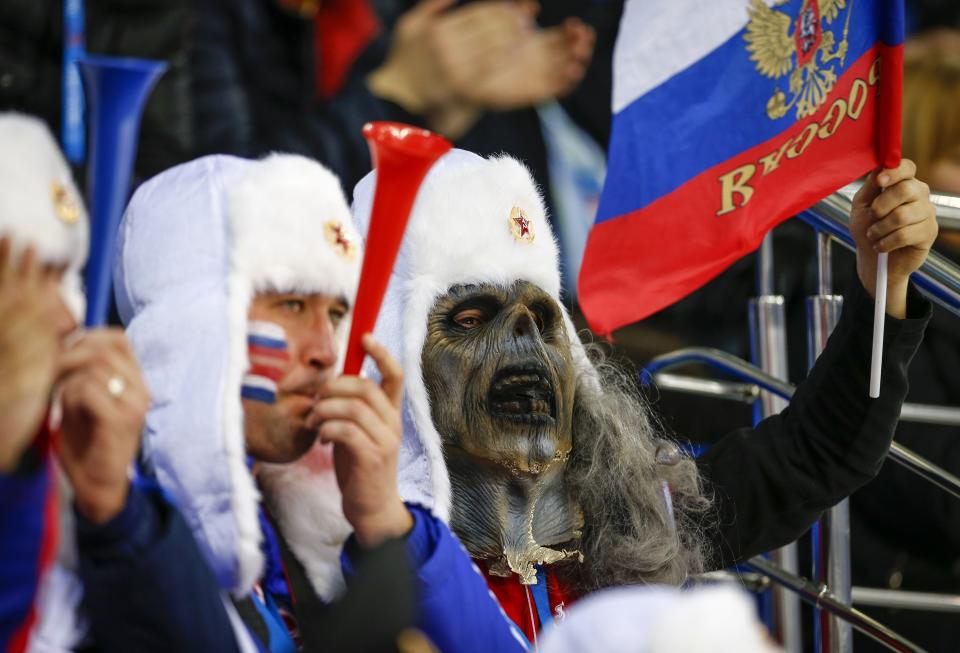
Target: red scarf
x=518 y=602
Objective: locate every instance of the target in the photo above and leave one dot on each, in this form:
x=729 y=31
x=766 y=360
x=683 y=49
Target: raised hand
x=362 y=420
x=439 y=49
x=104 y=401
x=892 y=213
x=451 y=63
x=543 y=65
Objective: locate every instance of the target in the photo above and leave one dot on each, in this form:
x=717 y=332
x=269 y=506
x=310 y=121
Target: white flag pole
x=879 y=312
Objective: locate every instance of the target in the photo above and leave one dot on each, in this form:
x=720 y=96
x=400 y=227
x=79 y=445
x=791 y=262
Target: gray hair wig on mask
x=619 y=470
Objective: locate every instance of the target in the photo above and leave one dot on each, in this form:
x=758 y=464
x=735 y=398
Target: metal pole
x=729 y=390
x=768 y=338
x=831 y=535
x=740 y=369
x=925 y=469
x=926 y=601
x=929 y=414
x=822 y=598
x=749 y=392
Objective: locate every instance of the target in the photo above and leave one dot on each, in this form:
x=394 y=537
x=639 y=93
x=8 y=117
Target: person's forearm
x=147 y=586
x=451 y=118
x=773 y=481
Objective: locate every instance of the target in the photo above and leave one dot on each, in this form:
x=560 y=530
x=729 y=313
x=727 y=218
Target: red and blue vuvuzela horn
x=402 y=156
x=116 y=90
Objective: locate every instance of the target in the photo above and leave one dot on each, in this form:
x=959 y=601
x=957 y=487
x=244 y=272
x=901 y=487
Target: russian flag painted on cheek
x=729 y=117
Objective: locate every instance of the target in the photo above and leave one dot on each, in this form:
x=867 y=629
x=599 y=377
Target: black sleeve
x=146 y=585
x=770 y=483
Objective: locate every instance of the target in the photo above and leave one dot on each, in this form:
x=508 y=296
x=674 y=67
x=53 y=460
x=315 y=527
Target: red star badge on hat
x=521 y=226
x=341 y=240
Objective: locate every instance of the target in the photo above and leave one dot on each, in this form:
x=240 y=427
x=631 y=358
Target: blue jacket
x=171 y=601
x=147 y=558
x=453 y=606
x=146 y=555
x=23 y=498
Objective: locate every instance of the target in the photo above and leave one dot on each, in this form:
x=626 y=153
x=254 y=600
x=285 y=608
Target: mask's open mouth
x=523 y=394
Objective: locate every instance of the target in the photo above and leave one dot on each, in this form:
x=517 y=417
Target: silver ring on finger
x=116 y=385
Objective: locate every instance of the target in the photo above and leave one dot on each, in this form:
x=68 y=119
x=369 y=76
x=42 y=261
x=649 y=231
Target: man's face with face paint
x=276 y=432
x=497 y=366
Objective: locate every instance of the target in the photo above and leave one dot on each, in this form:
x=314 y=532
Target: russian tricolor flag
x=268 y=356
x=729 y=117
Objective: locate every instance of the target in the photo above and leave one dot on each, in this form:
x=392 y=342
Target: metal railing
x=903 y=600
x=744 y=371
x=755 y=581
x=747 y=393
x=948 y=210
x=821 y=597
x=948 y=206
x=743 y=392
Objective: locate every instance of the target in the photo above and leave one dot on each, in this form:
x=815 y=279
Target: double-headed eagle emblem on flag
x=810 y=53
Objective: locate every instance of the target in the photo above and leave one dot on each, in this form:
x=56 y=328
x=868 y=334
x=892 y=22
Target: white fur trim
x=245 y=494
x=277 y=217
x=184 y=316
x=459 y=233
x=30 y=165
x=305 y=500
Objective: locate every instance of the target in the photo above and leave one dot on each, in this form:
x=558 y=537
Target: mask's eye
x=545 y=316
x=538 y=320
x=469 y=318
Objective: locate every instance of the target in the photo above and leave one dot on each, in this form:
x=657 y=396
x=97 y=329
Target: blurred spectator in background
x=251 y=76
x=506 y=125
x=923 y=15
x=31 y=60
x=931 y=98
x=304 y=76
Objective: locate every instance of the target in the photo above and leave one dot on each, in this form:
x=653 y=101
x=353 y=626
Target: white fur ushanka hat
x=196 y=244
x=462 y=230
x=39 y=203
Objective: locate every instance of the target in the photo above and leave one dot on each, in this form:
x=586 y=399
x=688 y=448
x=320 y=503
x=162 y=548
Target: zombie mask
x=499 y=374
x=472 y=312
x=504 y=353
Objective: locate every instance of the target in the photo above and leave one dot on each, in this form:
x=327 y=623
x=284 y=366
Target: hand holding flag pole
x=402 y=156
x=889 y=122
